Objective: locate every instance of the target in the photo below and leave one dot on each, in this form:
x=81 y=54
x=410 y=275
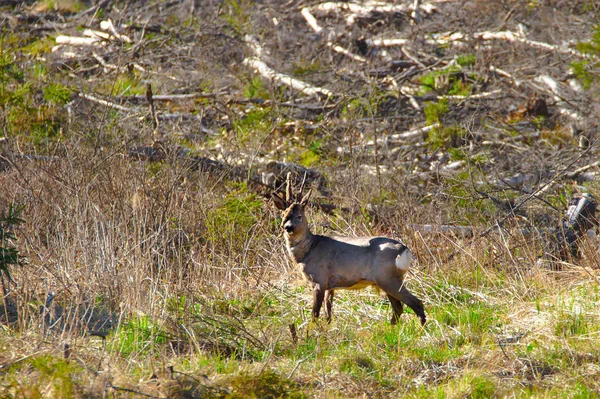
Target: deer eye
x=299 y=217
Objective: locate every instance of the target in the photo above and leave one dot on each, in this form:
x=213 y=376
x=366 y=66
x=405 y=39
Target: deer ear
x=279 y=202
x=306 y=198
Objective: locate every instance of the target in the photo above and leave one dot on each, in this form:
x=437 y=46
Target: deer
x=330 y=262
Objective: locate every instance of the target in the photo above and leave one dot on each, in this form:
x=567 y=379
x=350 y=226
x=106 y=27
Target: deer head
x=293 y=216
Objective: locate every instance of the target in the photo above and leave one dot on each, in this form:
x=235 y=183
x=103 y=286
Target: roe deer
x=333 y=262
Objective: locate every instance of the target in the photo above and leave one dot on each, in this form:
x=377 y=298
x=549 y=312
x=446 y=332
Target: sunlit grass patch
x=139 y=336
x=266 y=384
x=43 y=376
x=62 y=6
x=39 y=47
x=232 y=221
x=57 y=93
x=124 y=84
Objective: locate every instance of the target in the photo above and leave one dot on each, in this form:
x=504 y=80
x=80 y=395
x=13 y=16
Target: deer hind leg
x=396 y=289
x=318 y=296
x=328 y=304
x=397 y=309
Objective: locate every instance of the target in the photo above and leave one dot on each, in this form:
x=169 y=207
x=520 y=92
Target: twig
x=293 y=333
x=152 y=111
x=412 y=58
x=411 y=99
x=123 y=389
x=416 y=16
x=106 y=103
x=93 y=9
x=298 y=363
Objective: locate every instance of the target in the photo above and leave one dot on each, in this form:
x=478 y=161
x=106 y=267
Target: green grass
x=46 y=376
x=588 y=71
x=235 y=217
x=127 y=84
x=256 y=89
x=449 y=81
x=236 y=14
x=435 y=111
x=267 y=384
x=57 y=94
x=466 y=60
x=138 y=336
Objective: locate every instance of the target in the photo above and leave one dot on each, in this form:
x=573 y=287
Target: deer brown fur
x=333 y=262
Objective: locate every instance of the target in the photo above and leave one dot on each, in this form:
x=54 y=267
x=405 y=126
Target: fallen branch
x=267 y=72
x=78 y=41
x=312 y=22
x=398 y=137
x=515 y=37
x=412 y=58
x=388 y=42
x=551 y=87
x=156 y=117
x=577 y=172
x=364 y=9
x=106 y=103
x=516 y=82
x=108 y=26
x=97 y=34
x=557 y=95
x=286 y=80
x=488 y=94
x=170 y=97
x=540 y=189
x=106 y=65
x=458 y=38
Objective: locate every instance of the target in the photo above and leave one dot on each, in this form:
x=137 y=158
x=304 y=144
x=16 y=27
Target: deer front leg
x=318 y=296
x=328 y=304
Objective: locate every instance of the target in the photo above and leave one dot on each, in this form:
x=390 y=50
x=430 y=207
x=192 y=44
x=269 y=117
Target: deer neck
x=299 y=247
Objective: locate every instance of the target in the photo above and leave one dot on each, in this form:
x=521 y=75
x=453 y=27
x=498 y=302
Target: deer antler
x=302 y=185
x=288 y=188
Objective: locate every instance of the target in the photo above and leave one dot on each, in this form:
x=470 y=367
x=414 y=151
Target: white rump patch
x=403 y=260
x=388 y=245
